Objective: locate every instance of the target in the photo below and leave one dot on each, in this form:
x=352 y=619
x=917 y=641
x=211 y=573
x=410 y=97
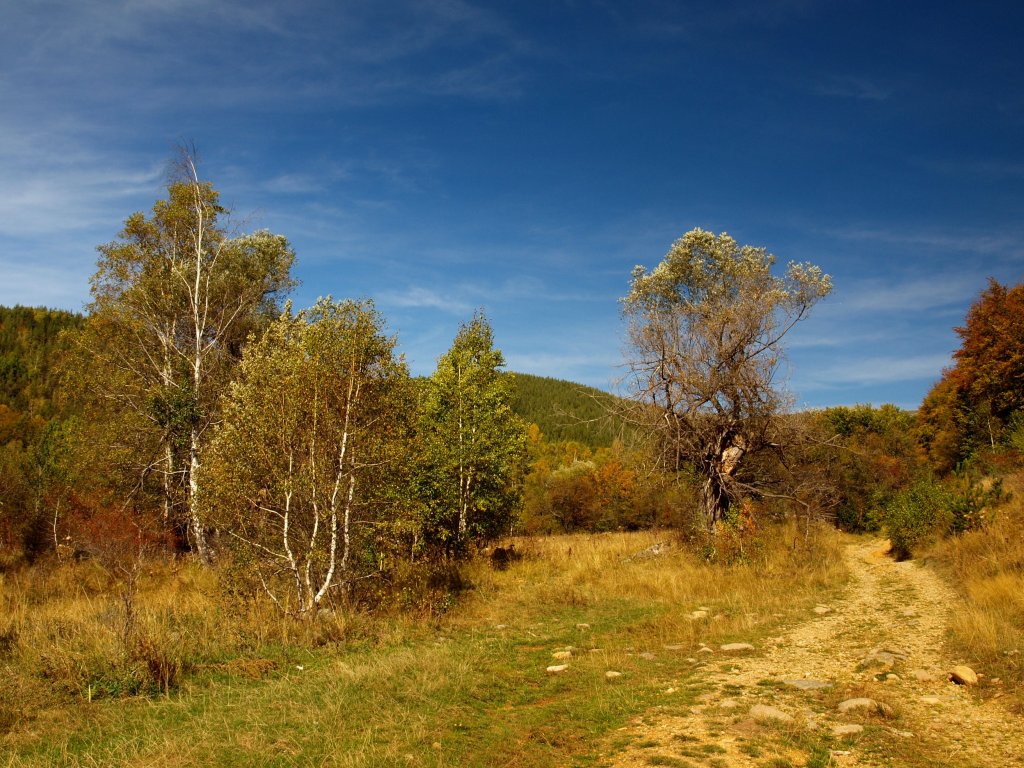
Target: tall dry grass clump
x=784 y=569
x=71 y=632
x=987 y=567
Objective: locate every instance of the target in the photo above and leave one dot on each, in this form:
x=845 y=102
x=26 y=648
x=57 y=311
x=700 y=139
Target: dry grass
x=987 y=567
x=594 y=573
x=465 y=687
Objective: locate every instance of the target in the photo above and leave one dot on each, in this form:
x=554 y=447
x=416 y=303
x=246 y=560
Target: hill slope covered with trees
x=29 y=345
x=565 y=410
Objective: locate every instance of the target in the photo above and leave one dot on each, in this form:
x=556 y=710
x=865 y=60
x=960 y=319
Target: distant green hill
x=30 y=346
x=567 y=411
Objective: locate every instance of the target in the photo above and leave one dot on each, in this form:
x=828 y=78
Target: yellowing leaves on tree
x=705 y=332
x=299 y=469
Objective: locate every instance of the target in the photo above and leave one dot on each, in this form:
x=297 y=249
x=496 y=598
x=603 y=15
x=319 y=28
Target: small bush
x=917 y=515
x=971 y=503
x=1013 y=435
x=162 y=660
x=929 y=509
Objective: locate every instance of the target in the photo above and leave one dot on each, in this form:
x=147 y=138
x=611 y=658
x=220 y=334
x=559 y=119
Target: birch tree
x=705 y=331
x=474 y=446
x=174 y=298
x=298 y=466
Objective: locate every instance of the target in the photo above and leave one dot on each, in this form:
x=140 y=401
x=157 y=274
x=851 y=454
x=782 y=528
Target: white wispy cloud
x=463 y=297
x=350 y=52
x=938 y=239
x=985 y=168
x=51 y=285
x=294 y=184
x=71 y=196
x=881 y=369
x=697 y=20
x=419 y=297
x=532 y=288
x=871 y=297
x=851 y=87
x=804 y=338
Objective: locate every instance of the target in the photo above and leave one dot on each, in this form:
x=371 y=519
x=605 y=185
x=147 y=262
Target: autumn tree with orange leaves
x=971 y=405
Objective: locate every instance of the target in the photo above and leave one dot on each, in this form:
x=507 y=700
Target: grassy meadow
x=459 y=679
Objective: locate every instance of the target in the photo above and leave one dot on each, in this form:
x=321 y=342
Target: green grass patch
x=468 y=688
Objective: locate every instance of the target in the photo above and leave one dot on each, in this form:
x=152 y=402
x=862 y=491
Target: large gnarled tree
x=705 y=333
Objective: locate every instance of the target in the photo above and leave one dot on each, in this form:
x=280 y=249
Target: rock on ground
x=963 y=675
x=847 y=729
x=807 y=685
x=762 y=712
x=863 y=703
x=731 y=647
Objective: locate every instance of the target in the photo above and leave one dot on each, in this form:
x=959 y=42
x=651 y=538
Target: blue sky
x=444 y=155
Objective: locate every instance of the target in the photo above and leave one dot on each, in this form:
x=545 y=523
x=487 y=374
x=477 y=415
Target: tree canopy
x=977 y=397
x=174 y=298
x=311 y=432
x=474 y=446
x=705 y=333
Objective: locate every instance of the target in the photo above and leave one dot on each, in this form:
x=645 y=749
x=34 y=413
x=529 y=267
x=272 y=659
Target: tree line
x=717 y=450
x=197 y=410
x=204 y=414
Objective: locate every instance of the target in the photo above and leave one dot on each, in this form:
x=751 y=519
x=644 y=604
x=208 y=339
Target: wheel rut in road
x=879 y=645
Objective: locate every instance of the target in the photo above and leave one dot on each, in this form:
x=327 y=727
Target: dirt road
x=778 y=705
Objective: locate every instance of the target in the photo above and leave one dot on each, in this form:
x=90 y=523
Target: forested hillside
x=29 y=342
x=33 y=448
x=567 y=411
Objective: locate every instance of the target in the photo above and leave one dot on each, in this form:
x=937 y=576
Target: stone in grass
x=863 y=703
x=555 y=669
x=878 y=661
x=894 y=650
x=763 y=713
x=847 y=729
x=611 y=674
x=561 y=655
x=699 y=614
x=963 y=675
x=821 y=610
x=733 y=647
x=808 y=685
